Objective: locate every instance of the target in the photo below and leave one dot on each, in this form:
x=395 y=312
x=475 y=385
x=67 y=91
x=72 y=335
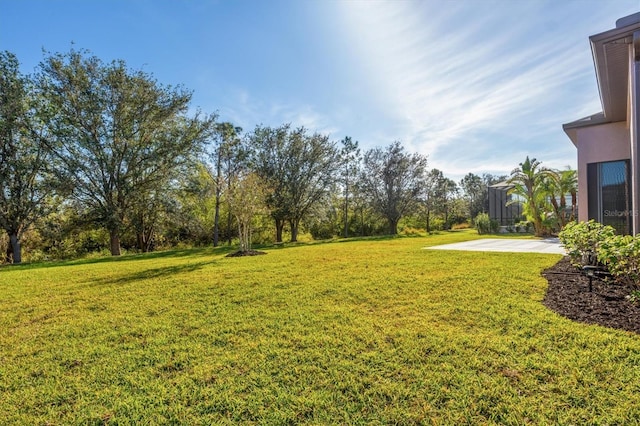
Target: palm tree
x=528 y=182
x=569 y=185
x=559 y=184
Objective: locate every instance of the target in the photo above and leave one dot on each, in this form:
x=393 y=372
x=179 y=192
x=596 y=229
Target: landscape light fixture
x=590 y=271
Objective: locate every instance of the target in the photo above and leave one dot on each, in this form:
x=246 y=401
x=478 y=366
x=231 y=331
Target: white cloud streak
x=467 y=85
x=249 y=111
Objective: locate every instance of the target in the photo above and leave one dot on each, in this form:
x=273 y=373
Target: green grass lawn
x=355 y=332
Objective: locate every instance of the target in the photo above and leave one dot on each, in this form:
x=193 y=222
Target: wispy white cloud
x=249 y=111
x=465 y=86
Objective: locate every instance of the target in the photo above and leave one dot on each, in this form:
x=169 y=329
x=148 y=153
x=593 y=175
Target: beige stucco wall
x=606 y=142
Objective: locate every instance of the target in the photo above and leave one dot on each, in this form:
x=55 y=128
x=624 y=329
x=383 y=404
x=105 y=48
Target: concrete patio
x=547 y=245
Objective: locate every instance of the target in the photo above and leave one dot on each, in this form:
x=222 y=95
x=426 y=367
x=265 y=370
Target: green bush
x=322 y=230
x=484 y=224
x=582 y=239
x=437 y=224
x=591 y=243
x=621 y=255
x=524 y=226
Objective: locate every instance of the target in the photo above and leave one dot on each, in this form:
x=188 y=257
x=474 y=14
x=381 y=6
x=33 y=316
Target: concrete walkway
x=548 y=245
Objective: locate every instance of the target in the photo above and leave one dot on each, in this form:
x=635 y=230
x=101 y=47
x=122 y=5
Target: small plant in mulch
x=634 y=297
x=241 y=253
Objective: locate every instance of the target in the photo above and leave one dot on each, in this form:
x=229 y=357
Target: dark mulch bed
x=568 y=294
x=241 y=253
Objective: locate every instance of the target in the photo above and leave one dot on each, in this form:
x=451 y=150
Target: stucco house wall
x=599 y=143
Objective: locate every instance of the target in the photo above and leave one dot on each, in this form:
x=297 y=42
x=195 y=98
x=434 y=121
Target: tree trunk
x=229 y=226
x=229 y=176
x=393 y=226
x=216 y=223
x=114 y=239
x=144 y=240
x=241 y=238
x=279 y=227
x=140 y=241
x=537 y=226
x=428 y=222
x=16 y=249
x=140 y=235
x=148 y=240
x=346 y=210
x=557 y=210
x=216 y=219
x=294 y=230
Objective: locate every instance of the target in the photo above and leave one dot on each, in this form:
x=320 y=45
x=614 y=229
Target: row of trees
x=332 y=188
x=93 y=152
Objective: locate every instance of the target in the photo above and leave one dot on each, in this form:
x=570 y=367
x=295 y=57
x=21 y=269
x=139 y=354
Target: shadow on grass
x=166 y=254
x=153 y=273
x=398 y=236
x=207 y=251
x=288 y=244
x=285 y=245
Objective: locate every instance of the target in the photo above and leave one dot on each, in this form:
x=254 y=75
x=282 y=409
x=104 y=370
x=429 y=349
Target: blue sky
x=476 y=85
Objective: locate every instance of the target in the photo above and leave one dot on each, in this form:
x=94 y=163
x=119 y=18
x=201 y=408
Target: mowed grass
x=356 y=332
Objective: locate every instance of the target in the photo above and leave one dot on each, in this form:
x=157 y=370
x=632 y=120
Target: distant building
x=608 y=142
x=499 y=197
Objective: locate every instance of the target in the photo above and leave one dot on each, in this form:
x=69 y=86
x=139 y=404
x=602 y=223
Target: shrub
x=437 y=224
x=322 y=230
x=464 y=225
x=621 y=255
x=591 y=243
x=524 y=226
x=412 y=232
x=484 y=224
x=582 y=239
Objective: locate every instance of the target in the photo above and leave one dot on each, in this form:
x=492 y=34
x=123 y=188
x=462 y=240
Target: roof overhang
x=505 y=185
x=610 y=50
x=571 y=129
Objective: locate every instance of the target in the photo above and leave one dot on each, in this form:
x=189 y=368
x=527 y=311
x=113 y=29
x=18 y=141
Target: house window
x=609 y=195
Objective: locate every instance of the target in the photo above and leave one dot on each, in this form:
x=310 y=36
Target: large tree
x=429 y=195
x=23 y=161
x=439 y=197
x=298 y=169
x=349 y=166
x=473 y=189
x=446 y=195
x=269 y=146
x=315 y=160
x=393 y=180
x=117 y=133
x=192 y=215
x=246 y=196
x=228 y=156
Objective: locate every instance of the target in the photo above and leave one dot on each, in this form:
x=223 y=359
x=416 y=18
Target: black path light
x=590 y=272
